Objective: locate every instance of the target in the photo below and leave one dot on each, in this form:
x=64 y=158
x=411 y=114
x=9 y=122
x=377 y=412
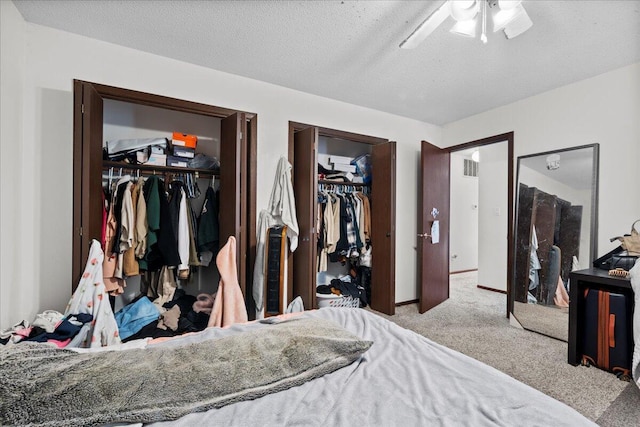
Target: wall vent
x=470 y=168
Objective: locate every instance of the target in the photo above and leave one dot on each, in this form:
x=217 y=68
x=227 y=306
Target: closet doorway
x=104 y=112
x=306 y=143
x=435 y=204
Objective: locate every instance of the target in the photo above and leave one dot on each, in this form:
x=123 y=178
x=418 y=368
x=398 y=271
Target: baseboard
x=463 y=271
x=413 y=301
x=486 y=288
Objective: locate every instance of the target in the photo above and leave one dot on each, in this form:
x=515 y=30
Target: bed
x=400 y=378
x=635 y=285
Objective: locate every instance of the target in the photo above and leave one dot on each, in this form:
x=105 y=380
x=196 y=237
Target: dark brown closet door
x=305 y=176
x=87 y=164
x=383 y=227
x=233 y=188
x=433 y=258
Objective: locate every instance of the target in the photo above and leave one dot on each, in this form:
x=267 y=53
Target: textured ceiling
x=348 y=50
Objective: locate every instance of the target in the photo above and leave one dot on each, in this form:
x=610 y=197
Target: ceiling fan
x=507 y=15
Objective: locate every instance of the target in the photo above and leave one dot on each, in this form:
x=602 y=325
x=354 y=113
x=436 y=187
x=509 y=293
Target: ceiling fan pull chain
x=483 y=36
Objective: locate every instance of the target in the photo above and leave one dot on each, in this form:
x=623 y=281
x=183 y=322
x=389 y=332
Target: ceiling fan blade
x=426 y=27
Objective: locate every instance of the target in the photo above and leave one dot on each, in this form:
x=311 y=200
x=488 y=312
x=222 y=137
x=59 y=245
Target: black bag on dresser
x=606 y=338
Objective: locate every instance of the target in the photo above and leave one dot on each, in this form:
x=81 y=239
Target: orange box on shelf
x=184 y=140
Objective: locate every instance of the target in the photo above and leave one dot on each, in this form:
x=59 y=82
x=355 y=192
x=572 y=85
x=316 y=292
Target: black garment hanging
x=117 y=212
x=208 y=223
x=165 y=250
x=175 y=197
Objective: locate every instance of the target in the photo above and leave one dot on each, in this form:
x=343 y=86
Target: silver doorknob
x=424 y=236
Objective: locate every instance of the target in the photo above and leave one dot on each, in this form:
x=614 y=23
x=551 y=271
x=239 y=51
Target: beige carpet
x=472 y=321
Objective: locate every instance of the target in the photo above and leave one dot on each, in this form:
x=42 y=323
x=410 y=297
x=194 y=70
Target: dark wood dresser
x=595 y=279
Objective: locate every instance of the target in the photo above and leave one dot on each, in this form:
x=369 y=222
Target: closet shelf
x=158 y=169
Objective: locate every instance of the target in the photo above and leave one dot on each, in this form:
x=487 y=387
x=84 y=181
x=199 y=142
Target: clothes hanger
x=110 y=178
x=196 y=189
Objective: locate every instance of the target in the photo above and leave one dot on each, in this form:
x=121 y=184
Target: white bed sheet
x=404 y=380
x=635 y=285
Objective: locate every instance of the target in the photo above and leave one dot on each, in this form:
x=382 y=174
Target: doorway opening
x=434 y=228
x=481 y=212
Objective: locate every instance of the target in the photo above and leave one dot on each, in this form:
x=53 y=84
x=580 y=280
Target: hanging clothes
x=128 y=238
x=152 y=198
x=141 y=220
x=193 y=231
x=113 y=283
x=344 y=229
x=534 y=262
x=209 y=225
x=282 y=203
x=183 y=236
x=163 y=251
x=281 y=211
x=119 y=194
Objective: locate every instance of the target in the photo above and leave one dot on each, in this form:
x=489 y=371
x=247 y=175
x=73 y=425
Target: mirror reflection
x=555 y=234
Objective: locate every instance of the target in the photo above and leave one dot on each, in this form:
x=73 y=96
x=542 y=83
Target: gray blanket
x=403 y=380
x=47 y=386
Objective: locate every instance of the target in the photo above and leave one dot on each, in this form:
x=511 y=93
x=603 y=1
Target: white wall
x=603 y=109
x=463 y=211
x=12 y=68
x=492 y=216
x=54 y=58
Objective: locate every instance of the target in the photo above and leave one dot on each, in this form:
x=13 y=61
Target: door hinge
x=80 y=231
x=240 y=135
x=82 y=108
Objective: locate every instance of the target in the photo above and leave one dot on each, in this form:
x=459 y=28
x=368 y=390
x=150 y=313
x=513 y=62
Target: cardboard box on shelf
x=179 y=162
x=185 y=152
x=157 y=160
x=340 y=160
x=184 y=140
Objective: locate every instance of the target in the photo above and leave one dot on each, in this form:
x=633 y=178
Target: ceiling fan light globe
x=464 y=4
x=465 y=28
x=518 y=25
x=508 y=4
x=464 y=10
x=503 y=17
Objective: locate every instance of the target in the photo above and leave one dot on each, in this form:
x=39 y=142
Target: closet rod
x=354 y=184
x=159 y=170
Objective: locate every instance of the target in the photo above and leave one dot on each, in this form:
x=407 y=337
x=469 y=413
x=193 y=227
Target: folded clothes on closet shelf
x=117 y=149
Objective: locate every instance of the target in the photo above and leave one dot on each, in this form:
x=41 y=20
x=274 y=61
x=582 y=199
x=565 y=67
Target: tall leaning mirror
x=555 y=233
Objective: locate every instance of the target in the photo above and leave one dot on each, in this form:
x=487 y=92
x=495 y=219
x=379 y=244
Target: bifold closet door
x=305 y=176
x=87 y=164
x=383 y=227
x=233 y=188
